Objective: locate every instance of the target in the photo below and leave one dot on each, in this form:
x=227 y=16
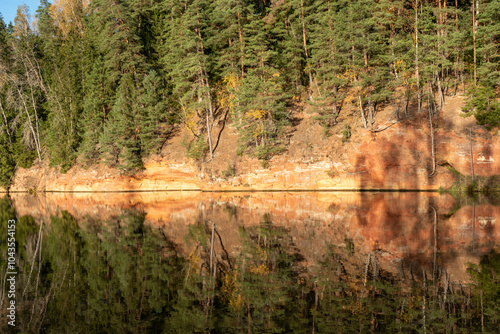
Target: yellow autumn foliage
x=22 y=21
x=194 y=257
x=231 y=290
x=257 y=114
x=348 y=75
x=68 y=15
x=225 y=92
x=191 y=120
x=261 y=269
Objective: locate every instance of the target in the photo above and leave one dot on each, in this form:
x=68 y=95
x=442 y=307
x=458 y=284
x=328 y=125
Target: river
x=261 y=262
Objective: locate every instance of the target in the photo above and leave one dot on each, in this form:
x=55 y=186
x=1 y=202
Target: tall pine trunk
x=416 y=57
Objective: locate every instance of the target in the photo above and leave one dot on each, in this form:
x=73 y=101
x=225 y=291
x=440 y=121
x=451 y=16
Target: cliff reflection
x=267 y=262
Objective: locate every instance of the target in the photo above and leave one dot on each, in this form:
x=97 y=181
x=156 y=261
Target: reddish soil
x=398 y=157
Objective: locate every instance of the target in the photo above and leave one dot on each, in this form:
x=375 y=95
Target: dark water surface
x=251 y=263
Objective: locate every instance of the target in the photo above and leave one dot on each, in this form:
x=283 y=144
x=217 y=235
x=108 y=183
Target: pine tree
x=154 y=120
x=288 y=27
x=7 y=163
x=62 y=40
x=188 y=66
x=120 y=140
x=328 y=62
x=260 y=96
x=25 y=90
x=225 y=36
x=115 y=45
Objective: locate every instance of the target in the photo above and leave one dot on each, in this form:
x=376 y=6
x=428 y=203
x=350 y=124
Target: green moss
x=453 y=170
x=466 y=186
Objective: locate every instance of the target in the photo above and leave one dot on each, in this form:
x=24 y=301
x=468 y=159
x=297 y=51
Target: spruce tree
x=260 y=96
x=7 y=162
x=154 y=120
x=115 y=44
x=188 y=66
x=63 y=78
x=329 y=62
x=120 y=139
x=94 y=109
x=288 y=24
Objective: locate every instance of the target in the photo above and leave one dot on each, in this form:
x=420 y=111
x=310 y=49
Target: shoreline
x=381 y=190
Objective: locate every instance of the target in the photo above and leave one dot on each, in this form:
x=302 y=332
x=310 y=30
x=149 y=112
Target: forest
x=106 y=81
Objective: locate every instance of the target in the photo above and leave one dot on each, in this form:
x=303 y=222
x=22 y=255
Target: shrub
x=483 y=104
x=346 y=133
x=195 y=149
x=230 y=171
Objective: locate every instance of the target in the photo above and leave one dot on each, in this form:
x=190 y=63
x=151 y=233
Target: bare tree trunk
x=305 y=40
x=424 y=291
x=406 y=101
x=434 y=269
x=209 y=139
x=366 y=267
x=36 y=69
x=34 y=256
x=334 y=107
x=473 y=226
x=474 y=31
x=446 y=286
x=36 y=119
x=240 y=35
x=35 y=137
x=457 y=61
x=482 y=312
x=362 y=113
x=416 y=56
x=37 y=276
x=249 y=319
x=212 y=248
x=433 y=153
x=6 y=124
x=440 y=91
x=371 y=113
x=471 y=155
x=204 y=82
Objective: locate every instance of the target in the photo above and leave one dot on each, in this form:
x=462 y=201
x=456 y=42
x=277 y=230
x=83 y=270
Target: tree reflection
x=124 y=276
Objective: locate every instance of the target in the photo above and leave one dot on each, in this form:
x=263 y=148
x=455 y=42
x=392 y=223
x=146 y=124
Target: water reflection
x=256 y=263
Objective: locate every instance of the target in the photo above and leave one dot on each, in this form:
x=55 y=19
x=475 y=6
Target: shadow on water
x=260 y=263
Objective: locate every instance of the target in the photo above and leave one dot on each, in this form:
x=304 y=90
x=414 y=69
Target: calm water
x=252 y=262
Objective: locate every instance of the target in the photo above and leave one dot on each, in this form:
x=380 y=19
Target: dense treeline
x=122 y=275
x=106 y=80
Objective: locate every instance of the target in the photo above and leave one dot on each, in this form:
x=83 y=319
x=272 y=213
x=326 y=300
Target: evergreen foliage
x=7 y=163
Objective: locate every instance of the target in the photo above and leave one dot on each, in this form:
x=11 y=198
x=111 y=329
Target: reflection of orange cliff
x=399 y=225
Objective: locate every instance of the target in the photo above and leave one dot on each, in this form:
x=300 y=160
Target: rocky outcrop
x=396 y=158
x=156 y=176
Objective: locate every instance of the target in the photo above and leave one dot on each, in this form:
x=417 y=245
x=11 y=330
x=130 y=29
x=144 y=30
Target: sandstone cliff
x=396 y=158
